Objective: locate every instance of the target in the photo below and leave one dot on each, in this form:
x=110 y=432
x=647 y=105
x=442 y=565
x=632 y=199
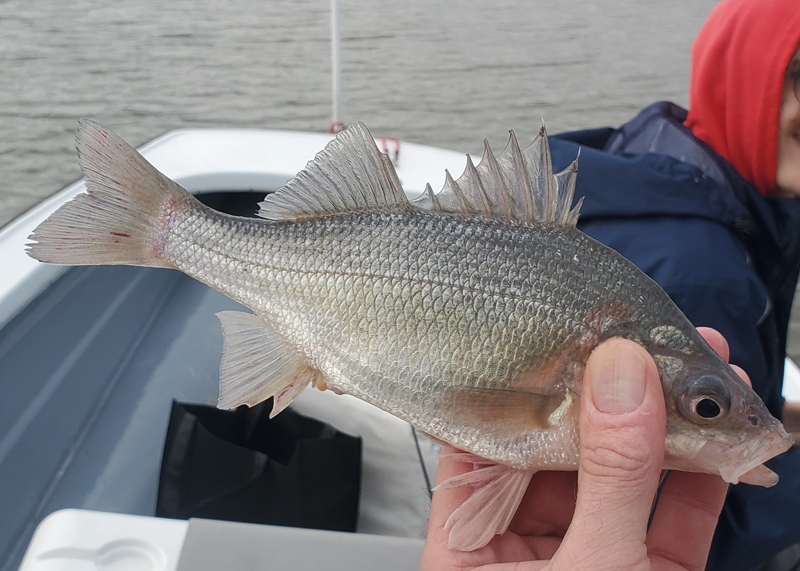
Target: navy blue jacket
x=726 y=255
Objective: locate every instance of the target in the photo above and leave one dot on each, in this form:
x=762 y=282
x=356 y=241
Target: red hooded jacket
x=739 y=59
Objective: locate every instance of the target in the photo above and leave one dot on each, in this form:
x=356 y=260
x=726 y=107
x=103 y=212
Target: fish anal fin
x=497 y=491
x=286 y=396
x=258 y=364
x=350 y=174
x=306 y=377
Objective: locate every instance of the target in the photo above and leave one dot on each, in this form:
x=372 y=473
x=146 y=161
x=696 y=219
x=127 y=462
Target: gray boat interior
x=90 y=369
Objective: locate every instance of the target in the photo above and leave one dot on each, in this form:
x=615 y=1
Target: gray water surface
x=429 y=71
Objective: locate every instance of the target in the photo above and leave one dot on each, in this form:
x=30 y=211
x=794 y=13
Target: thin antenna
x=336 y=64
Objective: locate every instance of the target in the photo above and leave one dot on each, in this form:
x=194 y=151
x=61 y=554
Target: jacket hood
x=739 y=60
x=652 y=166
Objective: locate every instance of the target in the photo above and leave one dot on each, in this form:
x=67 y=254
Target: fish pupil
x=708 y=408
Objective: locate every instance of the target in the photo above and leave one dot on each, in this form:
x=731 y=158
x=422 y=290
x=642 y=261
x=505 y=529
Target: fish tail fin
x=123 y=216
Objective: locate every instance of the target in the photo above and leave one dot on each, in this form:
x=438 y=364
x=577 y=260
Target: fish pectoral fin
x=258 y=364
x=504 y=409
x=497 y=492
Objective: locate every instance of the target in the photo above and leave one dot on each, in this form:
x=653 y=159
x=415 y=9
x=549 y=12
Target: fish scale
x=469 y=313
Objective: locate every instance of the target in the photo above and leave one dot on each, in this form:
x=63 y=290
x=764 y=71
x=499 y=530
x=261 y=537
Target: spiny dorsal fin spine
x=429 y=197
x=519 y=168
x=502 y=198
x=494 y=171
x=454 y=188
x=517 y=184
x=541 y=167
x=567 y=180
x=552 y=183
x=483 y=197
x=574 y=214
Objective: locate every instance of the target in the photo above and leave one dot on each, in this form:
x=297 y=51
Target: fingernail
x=618 y=380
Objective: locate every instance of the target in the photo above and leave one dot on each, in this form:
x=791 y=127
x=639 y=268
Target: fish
x=470 y=313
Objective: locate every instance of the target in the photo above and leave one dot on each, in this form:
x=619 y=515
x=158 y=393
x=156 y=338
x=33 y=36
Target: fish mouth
x=745 y=462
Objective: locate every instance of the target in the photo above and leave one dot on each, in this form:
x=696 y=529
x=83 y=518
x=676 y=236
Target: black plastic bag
x=243 y=466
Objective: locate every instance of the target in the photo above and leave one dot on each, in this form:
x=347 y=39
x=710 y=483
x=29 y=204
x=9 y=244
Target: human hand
x=605 y=524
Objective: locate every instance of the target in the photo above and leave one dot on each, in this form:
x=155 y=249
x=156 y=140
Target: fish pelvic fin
x=516 y=185
x=497 y=491
x=350 y=174
x=123 y=216
x=258 y=364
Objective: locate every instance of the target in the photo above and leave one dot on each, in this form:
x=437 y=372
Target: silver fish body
x=470 y=313
x=418 y=313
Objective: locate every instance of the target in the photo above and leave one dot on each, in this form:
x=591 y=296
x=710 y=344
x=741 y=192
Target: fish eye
x=707 y=407
x=704 y=400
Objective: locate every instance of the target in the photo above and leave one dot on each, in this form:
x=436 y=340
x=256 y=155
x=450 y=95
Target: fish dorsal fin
x=517 y=184
x=349 y=174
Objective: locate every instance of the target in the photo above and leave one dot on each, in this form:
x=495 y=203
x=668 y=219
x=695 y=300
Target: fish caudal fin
x=122 y=217
x=257 y=364
x=497 y=492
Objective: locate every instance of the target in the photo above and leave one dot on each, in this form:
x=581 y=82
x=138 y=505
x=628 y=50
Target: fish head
x=716 y=423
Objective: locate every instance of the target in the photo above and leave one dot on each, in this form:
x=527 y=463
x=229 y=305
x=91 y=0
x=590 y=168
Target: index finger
x=720 y=345
x=685 y=519
x=716 y=340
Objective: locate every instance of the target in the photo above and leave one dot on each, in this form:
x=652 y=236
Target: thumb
x=622 y=425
